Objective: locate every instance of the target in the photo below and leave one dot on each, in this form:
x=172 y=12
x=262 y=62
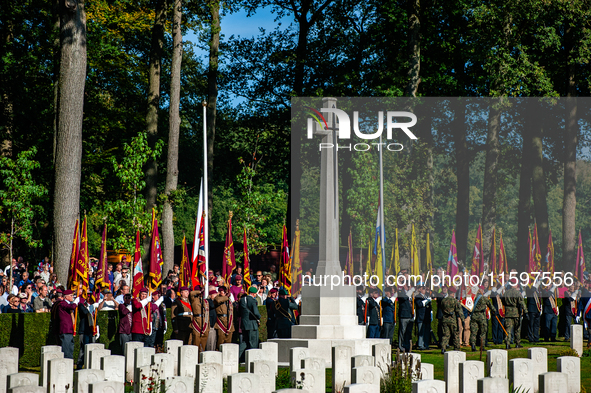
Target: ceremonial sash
x=204 y=318
x=553 y=304
x=226 y=329
x=145 y=314
x=185 y=304
x=412 y=303
x=537 y=299
x=587 y=308
x=286 y=314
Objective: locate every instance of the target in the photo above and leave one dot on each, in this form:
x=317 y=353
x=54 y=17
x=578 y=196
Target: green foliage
x=19 y=196
x=569 y=352
x=399 y=376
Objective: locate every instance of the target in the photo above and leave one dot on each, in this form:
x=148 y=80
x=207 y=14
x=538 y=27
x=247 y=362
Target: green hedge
x=29 y=332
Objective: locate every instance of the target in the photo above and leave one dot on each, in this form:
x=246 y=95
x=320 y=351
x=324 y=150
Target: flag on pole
x=82 y=263
x=102 y=278
x=377 y=249
x=138 y=270
x=296 y=286
x=428 y=256
x=368 y=269
x=379 y=264
x=246 y=270
x=396 y=255
x=493 y=254
x=477 y=257
x=502 y=257
x=185 y=277
x=452 y=259
x=536 y=252
x=198 y=253
x=580 y=264
x=550 y=254
x=531 y=265
x=156 y=261
x=73 y=258
x=285 y=270
x=229 y=263
x=349 y=262
x=414 y=254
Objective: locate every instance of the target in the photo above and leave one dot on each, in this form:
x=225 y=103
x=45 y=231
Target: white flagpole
x=205 y=202
x=382 y=223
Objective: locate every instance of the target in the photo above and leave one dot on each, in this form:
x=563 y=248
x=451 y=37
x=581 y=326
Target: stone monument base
x=322 y=348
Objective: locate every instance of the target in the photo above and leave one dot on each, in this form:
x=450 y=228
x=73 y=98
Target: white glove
x=577 y=319
x=159 y=301
x=76 y=301
x=98 y=333
x=145 y=301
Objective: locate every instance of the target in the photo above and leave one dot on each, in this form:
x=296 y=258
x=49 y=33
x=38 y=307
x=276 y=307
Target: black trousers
x=139 y=337
x=387 y=331
x=497 y=331
x=550 y=326
x=568 y=320
x=533 y=327
x=405 y=334
x=67 y=341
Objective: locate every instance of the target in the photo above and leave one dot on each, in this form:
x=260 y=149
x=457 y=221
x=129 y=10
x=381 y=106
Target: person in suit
x=182 y=316
x=250 y=319
x=284 y=307
x=549 y=317
x=372 y=310
x=271 y=314
x=65 y=316
x=423 y=318
x=360 y=305
x=405 y=316
x=533 y=314
x=388 y=315
x=439 y=297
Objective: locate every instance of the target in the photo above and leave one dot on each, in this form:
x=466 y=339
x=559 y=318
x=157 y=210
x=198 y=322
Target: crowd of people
x=463 y=312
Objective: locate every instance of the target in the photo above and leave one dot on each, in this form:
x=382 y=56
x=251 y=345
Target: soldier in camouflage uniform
x=478 y=322
x=513 y=302
x=451 y=310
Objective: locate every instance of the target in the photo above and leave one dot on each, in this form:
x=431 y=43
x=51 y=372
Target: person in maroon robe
x=141 y=311
x=65 y=316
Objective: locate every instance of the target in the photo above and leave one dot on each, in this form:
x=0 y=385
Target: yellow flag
x=414 y=253
x=368 y=263
x=396 y=255
x=379 y=264
x=429 y=262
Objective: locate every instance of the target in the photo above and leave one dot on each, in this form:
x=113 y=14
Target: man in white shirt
x=124 y=291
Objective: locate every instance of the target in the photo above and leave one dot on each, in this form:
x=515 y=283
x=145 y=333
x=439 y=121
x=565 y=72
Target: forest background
x=101 y=116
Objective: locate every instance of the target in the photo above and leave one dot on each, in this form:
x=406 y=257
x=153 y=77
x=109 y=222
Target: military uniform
x=549 y=317
x=224 y=325
x=478 y=321
x=65 y=317
x=451 y=309
x=250 y=321
x=423 y=320
x=388 y=309
x=373 y=315
x=513 y=310
x=271 y=319
x=182 y=316
x=405 y=315
x=200 y=324
x=533 y=315
x=285 y=318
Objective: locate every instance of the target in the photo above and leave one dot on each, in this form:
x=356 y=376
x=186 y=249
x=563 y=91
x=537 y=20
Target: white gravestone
x=22 y=379
x=107 y=387
x=83 y=378
x=362 y=360
x=172 y=347
x=95 y=356
x=427 y=371
x=571 y=366
x=166 y=363
x=51 y=348
x=291 y=391
x=129 y=352
x=341 y=366
x=243 y=383
x=87 y=349
x=210 y=357
x=451 y=370
x=61 y=376
x=316 y=364
x=179 y=385
x=311 y=380
x=188 y=359
x=265 y=369
x=470 y=372
x=114 y=368
x=147 y=378
x=493 y=385
x=382 y=354
x=28 y=389
x=362 y=388
x=296 y=355
x=576 y=338
x=45 y=358
x=369 y=375
x=496 y=363
x=521 y=374
x=553 y=382
x=251 y=355
x=428 y=386
x=209 y=377
x=8 y=365
x=539 y=357
x=143 y=357
x=230 y=359
x=271 y=353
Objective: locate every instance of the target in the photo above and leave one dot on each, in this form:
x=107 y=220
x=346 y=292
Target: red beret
x=238 y=276
x=156 y=293
x=184 y=289
x=144 y=290
x=452 y=289
x=213 y=291
x=68 y=292
x=273 y=290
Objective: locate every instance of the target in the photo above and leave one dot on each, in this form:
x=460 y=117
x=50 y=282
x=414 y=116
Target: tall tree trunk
x=539 y=184
x=415 y=48
x=172 y=168
x=69 y=139
x=524 y=203
x=569 y=202
x=489 y=208
x=56 y=90
x=212 y=91
x=463 y=182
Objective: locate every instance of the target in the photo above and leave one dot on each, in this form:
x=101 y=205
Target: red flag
x=452 y=259
x=477 y=257
x=138 y=270
x=493 y=256
x=185 y=274
x=580 y=263
x=82 y=262
x=229 y=263
x=156 y=261
x=102 y=278
x=349 y=262
x=536 y=252
x=550 y=254
x=246 y=271
x=296 y=263
x=285 y=269
x=73 y=258
x=198 y=266
x=502 y=257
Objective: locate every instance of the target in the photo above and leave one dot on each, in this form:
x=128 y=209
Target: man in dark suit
x=423 y=318
x=65 y=310
x=250 y=319
x=405 y=316
x=533 y=314
x=284 y=307
x=360 y=305
x=271 y=314
x=388 y=310
x=373 y=314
